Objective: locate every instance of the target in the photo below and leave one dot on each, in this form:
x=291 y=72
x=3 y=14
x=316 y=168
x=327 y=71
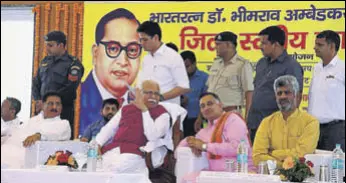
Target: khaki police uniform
x=230 y=82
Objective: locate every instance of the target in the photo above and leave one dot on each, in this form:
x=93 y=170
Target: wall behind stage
x=17 y=32
x=193 y=25
x=66 y=17
x=55 y=15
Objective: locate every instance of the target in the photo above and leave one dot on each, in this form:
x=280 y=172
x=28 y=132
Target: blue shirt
x=198 y=86
x=93 y=129
x=263 y=98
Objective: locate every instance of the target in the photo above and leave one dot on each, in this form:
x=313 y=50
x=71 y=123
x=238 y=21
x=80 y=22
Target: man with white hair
x=288 y=132
x=131 y=128
x=46 y=126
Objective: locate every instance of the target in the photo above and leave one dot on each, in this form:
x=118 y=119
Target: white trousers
x=116 y=162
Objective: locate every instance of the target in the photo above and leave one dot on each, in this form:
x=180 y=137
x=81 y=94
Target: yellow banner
x=193 y=25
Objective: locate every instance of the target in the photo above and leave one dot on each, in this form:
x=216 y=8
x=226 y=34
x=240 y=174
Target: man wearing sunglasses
x=116 y=57
x=288 y=132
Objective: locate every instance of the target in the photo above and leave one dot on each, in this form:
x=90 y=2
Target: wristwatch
x=204 y=147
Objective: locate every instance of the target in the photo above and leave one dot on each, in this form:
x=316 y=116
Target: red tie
x=120 y=101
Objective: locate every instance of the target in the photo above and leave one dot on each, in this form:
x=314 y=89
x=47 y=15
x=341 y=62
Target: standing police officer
x=230 y=76
x=59 y=72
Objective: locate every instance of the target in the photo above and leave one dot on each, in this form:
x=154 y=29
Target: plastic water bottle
x=338 y=162
x=242 y=153
x=92 y=155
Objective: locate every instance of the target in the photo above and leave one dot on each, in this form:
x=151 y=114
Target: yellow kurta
x=276 y=138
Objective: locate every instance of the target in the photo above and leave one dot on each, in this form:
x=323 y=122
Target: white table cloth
x=38 y=153
x=226 y=177
x=36 y=176
x=187 y=162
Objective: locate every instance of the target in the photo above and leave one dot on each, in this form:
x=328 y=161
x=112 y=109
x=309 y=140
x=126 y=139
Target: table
x=36 y=176
x=188 y=163
x=38 y=153
x=320 y=159
x=226 y=177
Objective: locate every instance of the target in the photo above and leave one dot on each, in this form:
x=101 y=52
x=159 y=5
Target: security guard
x=230 y=76
x=59 y=72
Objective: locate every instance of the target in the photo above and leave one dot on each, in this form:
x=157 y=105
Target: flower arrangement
x=61 y=158
x=295 y=169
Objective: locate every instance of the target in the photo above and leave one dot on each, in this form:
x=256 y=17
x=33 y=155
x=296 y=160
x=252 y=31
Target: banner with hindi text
x=193 y=25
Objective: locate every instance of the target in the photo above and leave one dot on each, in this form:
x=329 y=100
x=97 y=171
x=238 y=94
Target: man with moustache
x=230 y=76
x=131 y=128
x=116 y=56
x=275 y=63
x=288 y=132
x=109 y=108
x=327 y=91
x=46 y=126
x=59 y=72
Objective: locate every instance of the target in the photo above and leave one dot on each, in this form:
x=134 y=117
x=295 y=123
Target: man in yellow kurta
x=288 y=132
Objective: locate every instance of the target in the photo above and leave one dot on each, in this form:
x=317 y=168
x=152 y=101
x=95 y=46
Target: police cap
x=227 y=36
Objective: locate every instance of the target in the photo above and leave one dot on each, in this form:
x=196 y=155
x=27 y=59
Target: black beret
x=55 y=36
x=226 y=36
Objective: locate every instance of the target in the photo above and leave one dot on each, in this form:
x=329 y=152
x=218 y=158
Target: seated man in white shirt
x=46 y=126
x=131 y=128
x=10 y=107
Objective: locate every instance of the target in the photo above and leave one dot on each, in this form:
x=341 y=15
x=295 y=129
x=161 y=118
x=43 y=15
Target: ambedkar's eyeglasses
x=113 y=49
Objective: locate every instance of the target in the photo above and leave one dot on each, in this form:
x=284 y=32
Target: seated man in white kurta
x=46 y=126
x=132 y=127
x=10 y=107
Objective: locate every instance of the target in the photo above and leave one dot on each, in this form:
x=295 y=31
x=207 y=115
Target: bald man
x=132 y=127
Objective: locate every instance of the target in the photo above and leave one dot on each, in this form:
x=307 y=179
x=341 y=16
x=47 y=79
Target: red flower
x=58 y=153
x=310 y=164
x=63 y=158
x=302 y=160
